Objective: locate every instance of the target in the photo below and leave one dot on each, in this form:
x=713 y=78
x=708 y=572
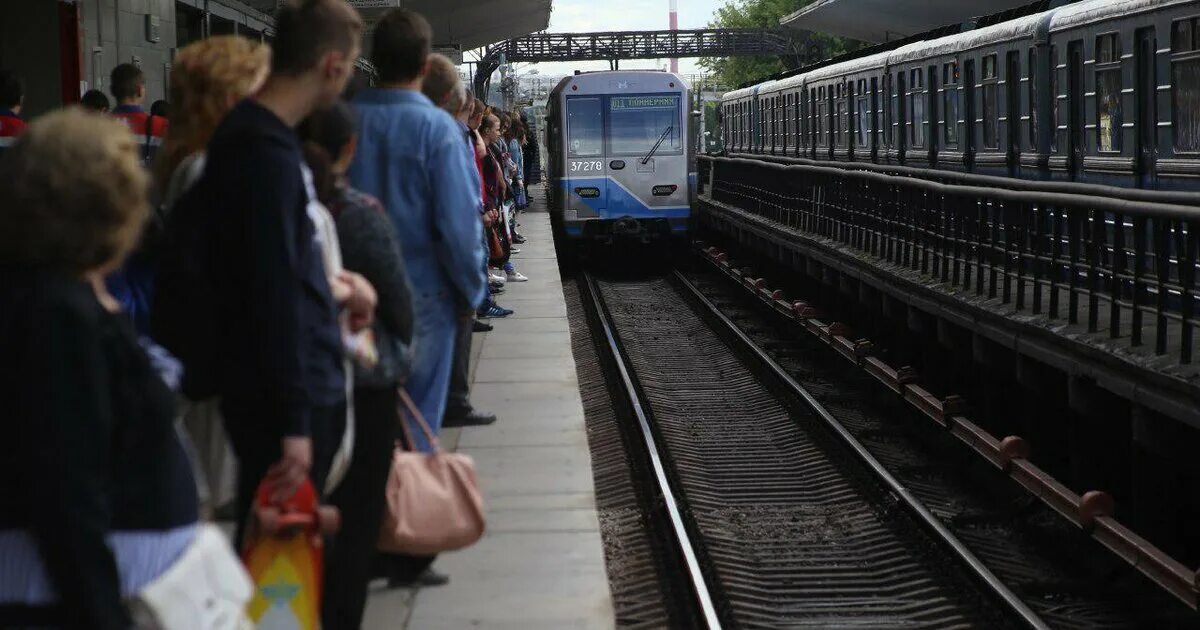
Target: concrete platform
x=541 y=563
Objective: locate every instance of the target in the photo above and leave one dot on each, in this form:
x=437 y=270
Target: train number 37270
x=586 y=165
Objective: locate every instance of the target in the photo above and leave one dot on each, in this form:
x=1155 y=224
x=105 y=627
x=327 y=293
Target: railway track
x=776 y=514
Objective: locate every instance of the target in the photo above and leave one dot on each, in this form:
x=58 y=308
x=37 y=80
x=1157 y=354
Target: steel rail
x=973 y=564
x=686 y=549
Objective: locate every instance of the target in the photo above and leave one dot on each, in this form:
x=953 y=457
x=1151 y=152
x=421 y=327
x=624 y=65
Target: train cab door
x=586 y=174
x=1146 y=93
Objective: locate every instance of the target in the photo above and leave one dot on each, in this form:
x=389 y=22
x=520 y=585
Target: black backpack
x=185 y=315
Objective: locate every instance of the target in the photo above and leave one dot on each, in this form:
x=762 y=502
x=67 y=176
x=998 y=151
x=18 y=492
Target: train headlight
x=587 y=192
x=665 y=190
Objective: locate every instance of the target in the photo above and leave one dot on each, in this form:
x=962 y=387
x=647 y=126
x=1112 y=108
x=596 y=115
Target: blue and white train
x=620 y=156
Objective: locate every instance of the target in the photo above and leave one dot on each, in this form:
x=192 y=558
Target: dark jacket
x=370 y=247
x=90 y=445
x=282 y=346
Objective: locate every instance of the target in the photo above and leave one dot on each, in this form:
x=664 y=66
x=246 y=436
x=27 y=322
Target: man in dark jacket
x=280 y=367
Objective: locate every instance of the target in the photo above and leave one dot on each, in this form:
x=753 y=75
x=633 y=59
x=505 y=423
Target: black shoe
x=518 y=239
x=479 y=326
x=428 y=577
x=472 y=418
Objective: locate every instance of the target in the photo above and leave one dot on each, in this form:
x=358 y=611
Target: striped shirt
x=141 y=556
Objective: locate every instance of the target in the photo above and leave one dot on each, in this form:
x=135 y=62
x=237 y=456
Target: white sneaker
x=496 y=276
x=515 y=276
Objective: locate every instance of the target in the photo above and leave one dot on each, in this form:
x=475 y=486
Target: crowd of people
x=233 y=292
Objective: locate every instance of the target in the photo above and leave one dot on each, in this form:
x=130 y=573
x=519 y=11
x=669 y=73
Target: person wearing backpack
x=244 y=299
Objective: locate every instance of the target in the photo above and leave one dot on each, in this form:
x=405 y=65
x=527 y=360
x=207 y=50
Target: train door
x=873 y=129
x=586 y=176
x=1012 y=114
x=969 y=109
x=1075 y=120
x=901 y=116
x=1147 y=105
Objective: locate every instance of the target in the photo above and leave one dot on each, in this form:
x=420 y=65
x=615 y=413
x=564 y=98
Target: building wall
x=112 y=32
x=115 y=31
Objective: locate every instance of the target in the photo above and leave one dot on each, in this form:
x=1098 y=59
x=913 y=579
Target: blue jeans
x=434 y=331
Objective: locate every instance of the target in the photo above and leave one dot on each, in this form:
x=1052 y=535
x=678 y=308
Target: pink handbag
x=433 y=499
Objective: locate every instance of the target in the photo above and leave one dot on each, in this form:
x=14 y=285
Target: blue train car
x=620 y=160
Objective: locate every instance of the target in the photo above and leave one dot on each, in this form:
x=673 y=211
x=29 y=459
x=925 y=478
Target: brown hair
x=305 y=30
x=125 y=81
x=208 y=76
x=402 y=42
x=442 y=81
x=75 y=199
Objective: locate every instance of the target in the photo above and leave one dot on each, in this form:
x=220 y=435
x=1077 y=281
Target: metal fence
x=1114 y=260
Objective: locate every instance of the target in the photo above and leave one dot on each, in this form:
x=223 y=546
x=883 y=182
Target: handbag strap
x=420 y=418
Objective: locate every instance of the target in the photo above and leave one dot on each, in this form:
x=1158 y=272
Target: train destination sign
x=642 y=102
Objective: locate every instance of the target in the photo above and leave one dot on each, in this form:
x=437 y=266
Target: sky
x=577 y=16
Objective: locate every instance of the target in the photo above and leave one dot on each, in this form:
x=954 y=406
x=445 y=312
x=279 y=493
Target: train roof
x=748 y=91
x=1027 y=27
x=607 y=81
x=1092 y=11
x=852 y=66
x=1021 y=28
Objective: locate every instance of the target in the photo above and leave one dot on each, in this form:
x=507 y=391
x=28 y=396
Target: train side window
x=1109 y=112
x=991 y=115
x=585 y=127
x=950 y=100
x=1185 y=84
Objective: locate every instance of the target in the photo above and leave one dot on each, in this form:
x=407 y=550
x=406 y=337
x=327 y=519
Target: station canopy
x=468 y=24
x=886 y=20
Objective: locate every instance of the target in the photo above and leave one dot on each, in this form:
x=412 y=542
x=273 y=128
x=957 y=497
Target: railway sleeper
x=1091 y=512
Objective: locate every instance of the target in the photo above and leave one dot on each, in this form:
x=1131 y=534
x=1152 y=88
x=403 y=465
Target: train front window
x=585 y=127
x=1185 y=84
x=636 y=123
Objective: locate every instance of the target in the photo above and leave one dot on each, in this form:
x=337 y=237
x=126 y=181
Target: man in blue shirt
x=410 y=156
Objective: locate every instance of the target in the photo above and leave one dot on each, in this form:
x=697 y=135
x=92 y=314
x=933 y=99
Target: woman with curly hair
x=209 y=77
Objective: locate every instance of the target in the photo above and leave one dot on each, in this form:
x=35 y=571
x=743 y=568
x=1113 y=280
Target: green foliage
x=734 y=71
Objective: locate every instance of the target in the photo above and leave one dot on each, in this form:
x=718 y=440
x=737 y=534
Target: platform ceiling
x=462 y=24
x=886 y=20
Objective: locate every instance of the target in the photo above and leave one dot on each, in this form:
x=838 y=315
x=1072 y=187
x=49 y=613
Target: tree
x=734 y=71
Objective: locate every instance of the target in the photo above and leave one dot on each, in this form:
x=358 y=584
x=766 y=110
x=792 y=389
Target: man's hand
x=360 y=305
x=341 y=289
x=286 y=475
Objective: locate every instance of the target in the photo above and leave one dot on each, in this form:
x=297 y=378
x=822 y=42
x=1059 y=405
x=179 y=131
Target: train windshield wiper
x=658 y=144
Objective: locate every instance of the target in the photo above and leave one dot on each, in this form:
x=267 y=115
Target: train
x=620 y=160
x=1095 y=91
